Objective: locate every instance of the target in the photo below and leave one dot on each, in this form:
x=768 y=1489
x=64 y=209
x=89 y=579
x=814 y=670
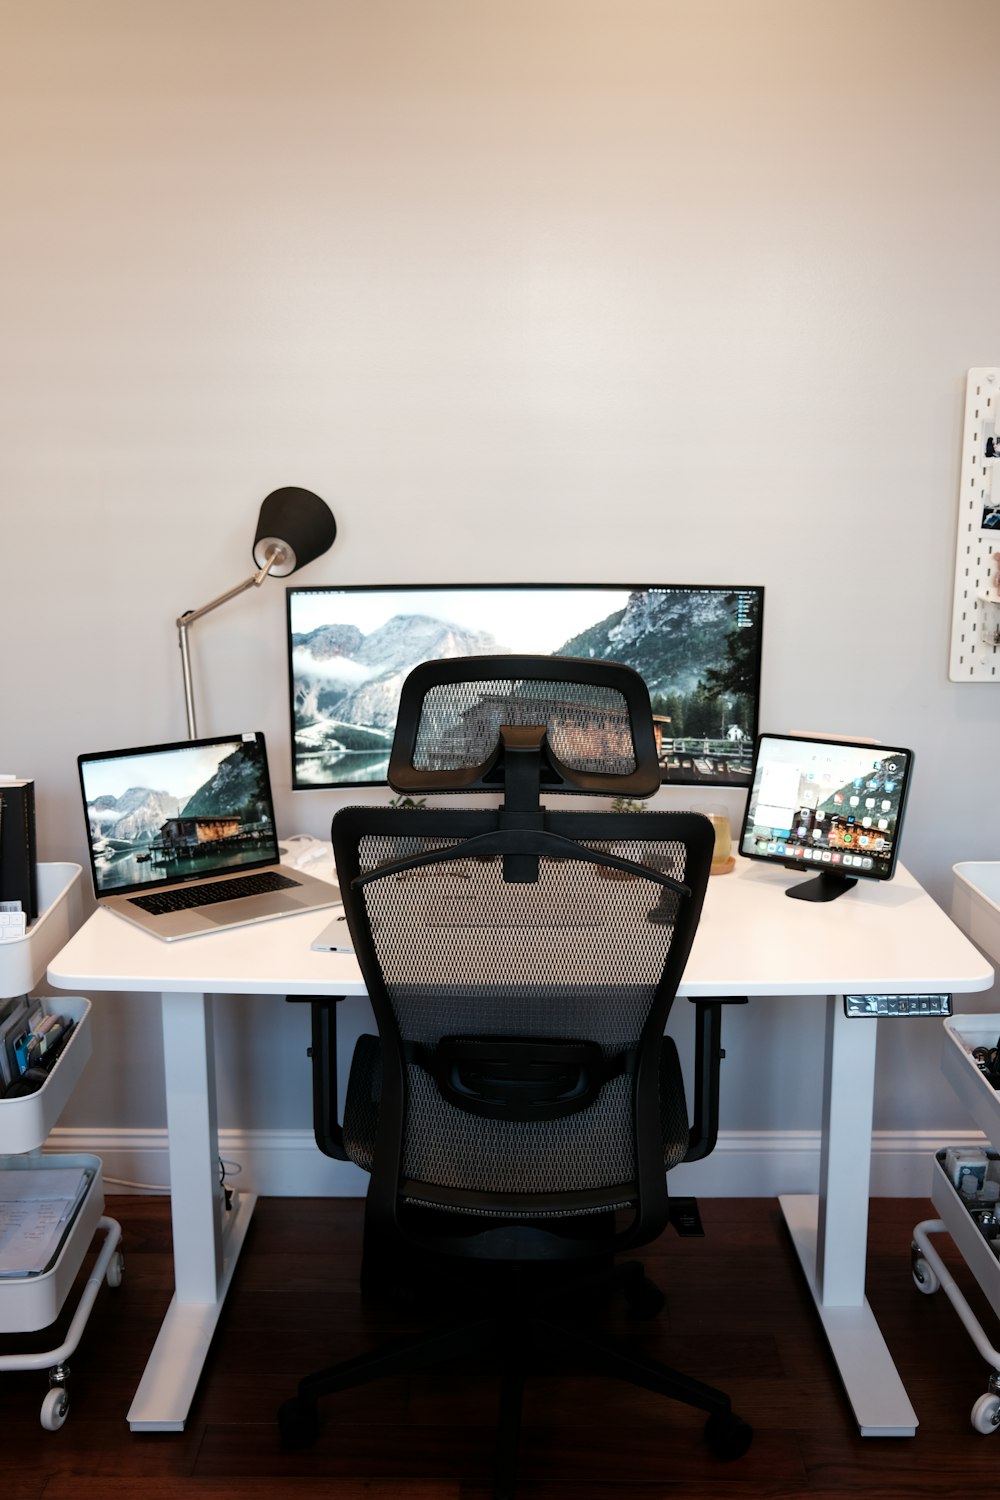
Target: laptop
x=182 y=838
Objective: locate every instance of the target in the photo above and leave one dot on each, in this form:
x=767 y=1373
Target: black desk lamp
x=294 y=528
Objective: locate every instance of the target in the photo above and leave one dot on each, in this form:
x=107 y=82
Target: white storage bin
x=977 y=1250
x=24 y=960
x=31 y=1302
x=25 y=1123
x=961 y=1034
x=975 y=904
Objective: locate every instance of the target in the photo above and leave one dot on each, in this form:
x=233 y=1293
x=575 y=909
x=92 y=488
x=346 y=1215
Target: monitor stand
x=827 y=886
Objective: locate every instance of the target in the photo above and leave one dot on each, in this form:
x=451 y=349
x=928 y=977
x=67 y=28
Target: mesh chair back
x=587 y=954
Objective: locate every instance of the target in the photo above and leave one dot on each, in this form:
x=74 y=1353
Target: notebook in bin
x=182 y=838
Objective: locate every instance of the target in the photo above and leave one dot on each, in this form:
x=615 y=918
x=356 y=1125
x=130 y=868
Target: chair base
x=428 y=1282
x=511 y=1331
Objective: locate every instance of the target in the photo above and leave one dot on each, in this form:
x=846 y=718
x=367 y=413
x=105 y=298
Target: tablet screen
x=832 y=806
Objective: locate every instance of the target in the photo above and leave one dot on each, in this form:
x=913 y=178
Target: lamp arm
x=274 y=555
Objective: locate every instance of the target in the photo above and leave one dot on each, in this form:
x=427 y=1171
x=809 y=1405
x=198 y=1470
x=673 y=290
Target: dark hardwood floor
x=737 y=1314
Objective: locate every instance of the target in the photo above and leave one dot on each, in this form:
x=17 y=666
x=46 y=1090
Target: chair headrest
x=595 y=717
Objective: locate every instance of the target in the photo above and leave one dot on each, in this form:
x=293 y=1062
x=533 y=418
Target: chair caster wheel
x=727 y=1435
x=298 y=1423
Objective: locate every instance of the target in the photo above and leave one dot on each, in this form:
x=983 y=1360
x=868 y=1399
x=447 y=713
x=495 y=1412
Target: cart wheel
x=925 y=1278
x=986 y=1413
x=116 y=1269
x=55 y=1408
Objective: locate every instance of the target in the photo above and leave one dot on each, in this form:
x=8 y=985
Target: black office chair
x=520 y=1107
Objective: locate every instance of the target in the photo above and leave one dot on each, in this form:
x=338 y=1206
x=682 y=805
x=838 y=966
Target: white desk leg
x=831 y=1232
x=207 y=1239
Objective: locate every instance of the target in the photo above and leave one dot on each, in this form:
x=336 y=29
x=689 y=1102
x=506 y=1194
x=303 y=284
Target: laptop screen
x=166 y=814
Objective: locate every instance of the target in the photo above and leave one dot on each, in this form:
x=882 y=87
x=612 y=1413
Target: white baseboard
x=745 y=1164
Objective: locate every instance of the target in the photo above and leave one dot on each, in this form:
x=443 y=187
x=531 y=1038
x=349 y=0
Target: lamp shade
x=298 y=522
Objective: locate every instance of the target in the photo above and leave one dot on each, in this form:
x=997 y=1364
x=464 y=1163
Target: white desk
x=875 y=939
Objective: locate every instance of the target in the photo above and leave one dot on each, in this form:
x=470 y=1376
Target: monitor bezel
x=718 y=783
x=805 y=867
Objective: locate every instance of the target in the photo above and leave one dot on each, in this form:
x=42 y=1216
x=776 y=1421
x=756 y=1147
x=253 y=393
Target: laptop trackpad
x=269 y=905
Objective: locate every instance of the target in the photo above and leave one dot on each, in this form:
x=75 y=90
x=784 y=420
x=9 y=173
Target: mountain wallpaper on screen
x=137 y=816
x=667 y=638
x=699 y=667
x=353 y=678
x=236 y=787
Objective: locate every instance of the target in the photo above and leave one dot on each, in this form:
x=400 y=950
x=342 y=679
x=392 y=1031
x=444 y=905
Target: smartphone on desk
x=335 y=936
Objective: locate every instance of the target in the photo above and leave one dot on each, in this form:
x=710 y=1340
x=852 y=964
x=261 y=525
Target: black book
x=18 y=869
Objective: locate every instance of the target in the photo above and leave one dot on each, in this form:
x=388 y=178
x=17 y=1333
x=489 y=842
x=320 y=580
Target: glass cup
x=722 y=855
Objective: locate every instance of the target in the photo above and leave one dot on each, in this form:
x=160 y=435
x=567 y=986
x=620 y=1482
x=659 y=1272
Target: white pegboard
x=975 y=631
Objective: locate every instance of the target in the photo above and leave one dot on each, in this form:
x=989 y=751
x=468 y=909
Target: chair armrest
x=708 y=1056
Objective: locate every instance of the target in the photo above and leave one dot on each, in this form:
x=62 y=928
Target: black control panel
x=878 y=1007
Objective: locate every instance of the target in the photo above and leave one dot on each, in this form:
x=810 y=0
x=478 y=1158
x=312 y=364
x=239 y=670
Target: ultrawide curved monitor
x=697 y=648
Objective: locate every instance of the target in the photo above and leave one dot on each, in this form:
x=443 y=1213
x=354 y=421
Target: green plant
x=408 y=802
x=627 y=805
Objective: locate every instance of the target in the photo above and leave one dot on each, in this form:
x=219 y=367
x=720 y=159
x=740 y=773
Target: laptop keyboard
x=189 y=896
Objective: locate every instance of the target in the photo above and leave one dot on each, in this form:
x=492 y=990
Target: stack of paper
x=37 y=1207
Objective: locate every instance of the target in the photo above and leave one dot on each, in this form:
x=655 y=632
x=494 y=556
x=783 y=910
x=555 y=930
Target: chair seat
x=458 y=1136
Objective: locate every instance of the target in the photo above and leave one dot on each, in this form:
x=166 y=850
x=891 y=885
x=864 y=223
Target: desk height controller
x=876 y=1007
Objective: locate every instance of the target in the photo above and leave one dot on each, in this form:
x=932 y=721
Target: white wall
x=539 y=289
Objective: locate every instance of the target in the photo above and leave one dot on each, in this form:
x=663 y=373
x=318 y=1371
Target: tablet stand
x=827 y=886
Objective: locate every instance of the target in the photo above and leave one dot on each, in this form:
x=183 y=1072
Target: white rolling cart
x=976 y=909
x=30 y=1303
